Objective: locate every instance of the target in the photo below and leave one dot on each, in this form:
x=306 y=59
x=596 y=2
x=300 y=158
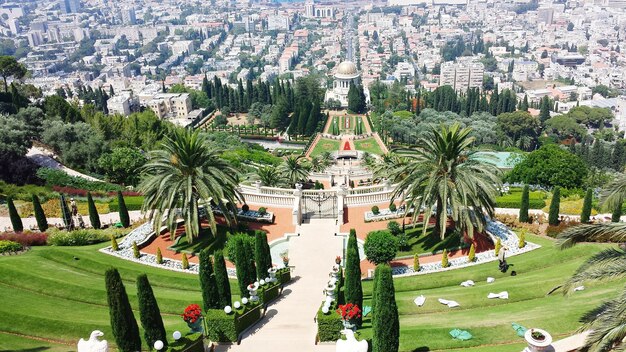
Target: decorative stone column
x=257 y=185
x=296 y=213
x=341 y=203
x=386 y=184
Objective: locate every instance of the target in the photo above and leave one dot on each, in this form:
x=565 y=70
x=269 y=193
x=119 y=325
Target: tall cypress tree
x=123 y=211
x=385 y=321
x=94 y=218
x=123 y=323
x=263 y=262
x=241 y=262
x=523 y=210
x=66 y=214
x=555 y=204
x=353 y=289
x=149 y=313
x=208 y=285
x=617 y=213
x=40 y=216
x=544 y=111
x=586 y=212
x=16 y=221
x=221 y=278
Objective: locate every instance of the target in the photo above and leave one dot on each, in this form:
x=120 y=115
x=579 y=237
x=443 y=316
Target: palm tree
x=269 y=176
x=294 y=169
x=181 y=175
x=607 y=322
x=388 y=165
x=442 y=172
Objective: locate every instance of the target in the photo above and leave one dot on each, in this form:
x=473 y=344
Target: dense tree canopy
x=550 y=166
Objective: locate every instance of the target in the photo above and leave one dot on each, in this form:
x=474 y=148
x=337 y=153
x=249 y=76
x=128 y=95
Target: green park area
x=489 y=321
x=368 y=145
x=58 y=295
x=325 y=145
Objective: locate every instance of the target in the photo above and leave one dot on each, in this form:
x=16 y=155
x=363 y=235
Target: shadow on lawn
x=433 y=243
x=34 y=349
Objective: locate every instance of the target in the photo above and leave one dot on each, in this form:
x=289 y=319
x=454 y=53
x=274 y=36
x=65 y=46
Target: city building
x=121 y=104
x=69 y=6
x=462 y=75
x=346 y=73
x=277 y=23
x=171 y=105
x=318 y=11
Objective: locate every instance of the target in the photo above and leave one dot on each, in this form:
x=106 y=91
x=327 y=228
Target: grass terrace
x=58 y=296
x=489 y=320
x=325 y=145
x=368 y=145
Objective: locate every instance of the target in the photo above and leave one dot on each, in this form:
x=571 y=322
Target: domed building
x=345 y=73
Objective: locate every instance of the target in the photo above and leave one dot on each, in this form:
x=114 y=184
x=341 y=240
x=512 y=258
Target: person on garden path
x=502 y=260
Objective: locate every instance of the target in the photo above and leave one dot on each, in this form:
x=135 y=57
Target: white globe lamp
x=158 y=345
x=176 y=335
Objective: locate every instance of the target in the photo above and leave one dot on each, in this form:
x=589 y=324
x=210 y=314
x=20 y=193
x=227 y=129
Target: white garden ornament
x=176 y=335
x=93 y=344
x=350 y=344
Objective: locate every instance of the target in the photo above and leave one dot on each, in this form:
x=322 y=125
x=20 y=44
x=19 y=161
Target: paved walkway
x=109 y=218
x=288 y=324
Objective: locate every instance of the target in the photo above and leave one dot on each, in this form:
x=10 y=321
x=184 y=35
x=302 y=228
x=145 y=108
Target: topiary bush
x=380 y=247
x=498 y=246
x=523 y=210
x=416 y=262
x=385 y=319
x=185 y=261
x=392 y=207
x=83 y=237
x=375 y=210
x=123 y=323
x=444 y=259
x=159 y=256
x=94 y=217
x=394 y=228
x=16 y=221
x=262 y=210
x=329 y=326
x=522 y=239
x=10 y=247
x=136 y=252
x=471 y=257
x=123 y=211
x=221 y=278
x=40 y=216
x=245 y=207
x=587 y=203
x=210 y=294
x=403 y=241
x=149 y=313
x=555 y=203
x=114 y=245
x=353 y=288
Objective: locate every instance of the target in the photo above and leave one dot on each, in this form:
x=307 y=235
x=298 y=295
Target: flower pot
x=198 y=326
x=349 y=325
x=536 y=344
x=285 y=263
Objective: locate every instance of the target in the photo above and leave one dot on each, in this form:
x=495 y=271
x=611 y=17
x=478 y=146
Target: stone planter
x=537 y=345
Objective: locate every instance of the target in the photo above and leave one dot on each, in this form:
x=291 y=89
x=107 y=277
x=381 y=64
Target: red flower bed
x=346 y=146
x=79 y=192
x=349 y=311
x=26 y=239
x=193 y=312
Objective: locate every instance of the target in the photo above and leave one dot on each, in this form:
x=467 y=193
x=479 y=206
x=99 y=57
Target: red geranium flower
x=349 y=311
x=193 y=312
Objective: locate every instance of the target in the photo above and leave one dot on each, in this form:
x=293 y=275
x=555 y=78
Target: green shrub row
x=505 y=202
x=83 y=237
x=329 y=325
x=222 y=327
x=132 y=203
x=268 y=293
x=25 y=192
x=54 y=177
x=284 y=275
x=10 y=247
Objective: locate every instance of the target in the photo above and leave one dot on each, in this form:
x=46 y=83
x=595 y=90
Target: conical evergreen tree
x=617 y=213
x=40 y=216
x=586 y=211
x=208 y=285
x=66 y=214
x=221 y=279
x=353 y=289
x=123 y=323
x=123 y=211
x=241 y=262
x=263 y=262
x=555 y=204
x=385 y=320
x=93 y=212
x=16 y=221
x=149 y=313
x=523 y=210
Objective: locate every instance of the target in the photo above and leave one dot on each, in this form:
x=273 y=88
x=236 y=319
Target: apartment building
x=171 y=105
x=462 y=75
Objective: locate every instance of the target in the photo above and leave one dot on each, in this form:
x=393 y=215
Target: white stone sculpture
x=350 y=344
x=93 y=344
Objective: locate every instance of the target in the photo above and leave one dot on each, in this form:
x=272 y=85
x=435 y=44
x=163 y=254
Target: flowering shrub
x=9 y=247
x=26 y=239
x=554 y=231
x=193 y=312
x=349 y=311
x=512 y=222
x=83 y=237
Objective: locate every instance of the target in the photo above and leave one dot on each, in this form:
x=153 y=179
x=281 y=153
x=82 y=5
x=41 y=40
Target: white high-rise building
x=462 y=75
x=128 y=15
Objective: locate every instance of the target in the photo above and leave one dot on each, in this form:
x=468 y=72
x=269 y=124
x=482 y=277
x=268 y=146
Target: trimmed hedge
x=506 y=202
x=83 y=237
x=284 y=275
x=222 y=327
x=189 y=343
x=268 y=293
x=54 y=177
x=329 y=325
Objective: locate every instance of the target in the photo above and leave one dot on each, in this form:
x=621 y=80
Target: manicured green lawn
x=513 y=199
x=368 y=145
x=325 y=145
x=58 y=294
x=489 y=321
x=429 y=243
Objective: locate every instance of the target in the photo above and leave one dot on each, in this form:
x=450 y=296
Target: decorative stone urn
x=329 y=291
x=538 y=340
x=272 y=272
x=252 y=288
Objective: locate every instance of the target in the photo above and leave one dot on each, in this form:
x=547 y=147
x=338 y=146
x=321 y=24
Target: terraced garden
x=55 y=295
x=489 y=320
x=369 y=145
x=325 y=145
